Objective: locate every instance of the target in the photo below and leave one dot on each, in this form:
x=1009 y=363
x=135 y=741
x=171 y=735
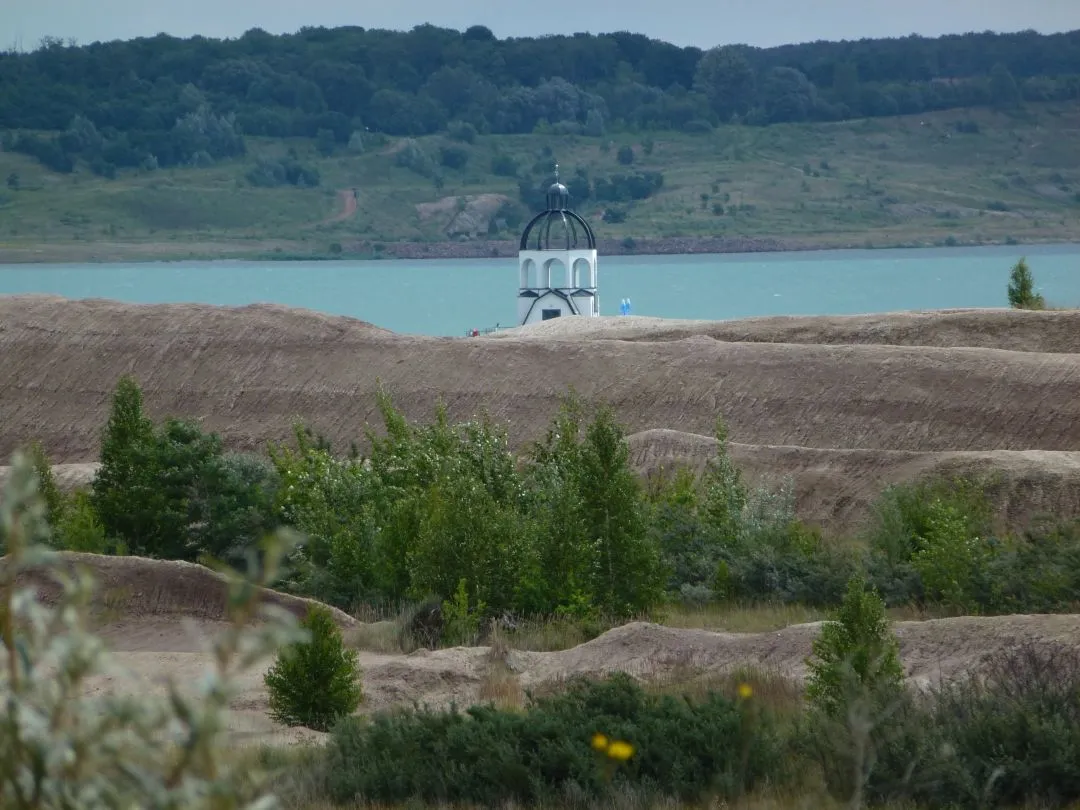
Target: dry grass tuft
x=739 y=618
x=378 y=637
x=500 y=684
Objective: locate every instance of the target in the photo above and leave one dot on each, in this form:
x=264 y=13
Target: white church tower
x=557 y=263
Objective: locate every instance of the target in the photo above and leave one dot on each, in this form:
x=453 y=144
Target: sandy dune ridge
x=249 y=371
x=843 y=405
x=156 y=616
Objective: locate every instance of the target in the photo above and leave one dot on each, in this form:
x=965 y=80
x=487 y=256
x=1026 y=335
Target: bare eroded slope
x=836 y=488
x=248 y=372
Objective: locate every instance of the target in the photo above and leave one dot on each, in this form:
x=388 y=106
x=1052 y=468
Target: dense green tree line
x=168 y=101
x=446 y=512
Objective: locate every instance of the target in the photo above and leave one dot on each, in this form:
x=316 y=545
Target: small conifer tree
x=1021 y=288
x=123 y=444
x=856 y=652
x=855 y=686
x=315 y=682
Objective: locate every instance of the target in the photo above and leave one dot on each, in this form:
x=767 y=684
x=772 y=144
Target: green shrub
x=462 y=619
x=503 y=165
x=462 y=131
x=54 y=499
x=490 y=757
x=454 y=157
x=1004 y=735
x=79 y=528
x=412 y=156
x=315 y=682
x=855 y=650
x=719 y=540
x=949 y=559
x=126 y=434
x=854 y=685
x=64 y=744
x=172 y=492
x=1037 y=572
x=907 y=515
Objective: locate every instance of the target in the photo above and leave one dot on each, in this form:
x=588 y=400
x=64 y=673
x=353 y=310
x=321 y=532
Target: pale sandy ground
x=157 y=616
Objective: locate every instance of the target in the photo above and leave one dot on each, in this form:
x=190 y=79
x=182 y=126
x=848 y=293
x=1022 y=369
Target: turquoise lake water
x=447 y=297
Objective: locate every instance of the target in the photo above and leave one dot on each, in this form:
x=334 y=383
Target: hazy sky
x=687 y=22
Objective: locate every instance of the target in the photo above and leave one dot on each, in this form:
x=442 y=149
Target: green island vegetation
x=442 y=527
x=347 y=142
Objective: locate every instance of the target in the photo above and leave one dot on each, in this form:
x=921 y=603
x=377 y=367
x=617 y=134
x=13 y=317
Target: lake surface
x=447 y=297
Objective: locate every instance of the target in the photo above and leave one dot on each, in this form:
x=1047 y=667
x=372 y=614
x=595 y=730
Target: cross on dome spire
x=556 y=172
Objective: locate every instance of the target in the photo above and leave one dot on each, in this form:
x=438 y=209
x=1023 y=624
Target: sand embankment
x=844 y=404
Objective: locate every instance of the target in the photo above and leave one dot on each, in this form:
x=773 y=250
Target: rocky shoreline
x=506 y=248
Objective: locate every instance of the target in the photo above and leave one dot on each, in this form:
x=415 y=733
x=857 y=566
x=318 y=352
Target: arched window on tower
x=557 y=273
x=582 y=273
x=528 y=274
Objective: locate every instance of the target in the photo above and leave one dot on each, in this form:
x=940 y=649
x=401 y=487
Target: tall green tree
x=627 y=574
x=123 y=444
x=1021 y=289
x=726 y=78
x=1004 y=91
x=846 y=82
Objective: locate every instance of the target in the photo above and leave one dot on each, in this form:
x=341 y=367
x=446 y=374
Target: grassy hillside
x=914 y=180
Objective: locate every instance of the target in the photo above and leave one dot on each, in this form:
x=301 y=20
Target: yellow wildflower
x=746 y=691
x=599 y=742
x=620 y=750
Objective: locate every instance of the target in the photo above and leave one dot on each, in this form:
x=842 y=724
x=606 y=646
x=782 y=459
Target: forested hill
x=167 y=101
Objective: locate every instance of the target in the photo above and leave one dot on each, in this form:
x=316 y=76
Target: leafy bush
x=614 y=214
x=625 y=155
x=855 y=683
x=1038 y=572
x=720 y=540
x=1004 y=735
x=454 y=157
x=269 y=173
x=46 y=484
x=314 y=682
x=949 y=559
x=855 y=655
x=462 y=131
x=412 y=156
x=908 y=517
x=627 y=187
x=78 y=528
x=504 y=165
x=63 y=744
x=490 y=757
